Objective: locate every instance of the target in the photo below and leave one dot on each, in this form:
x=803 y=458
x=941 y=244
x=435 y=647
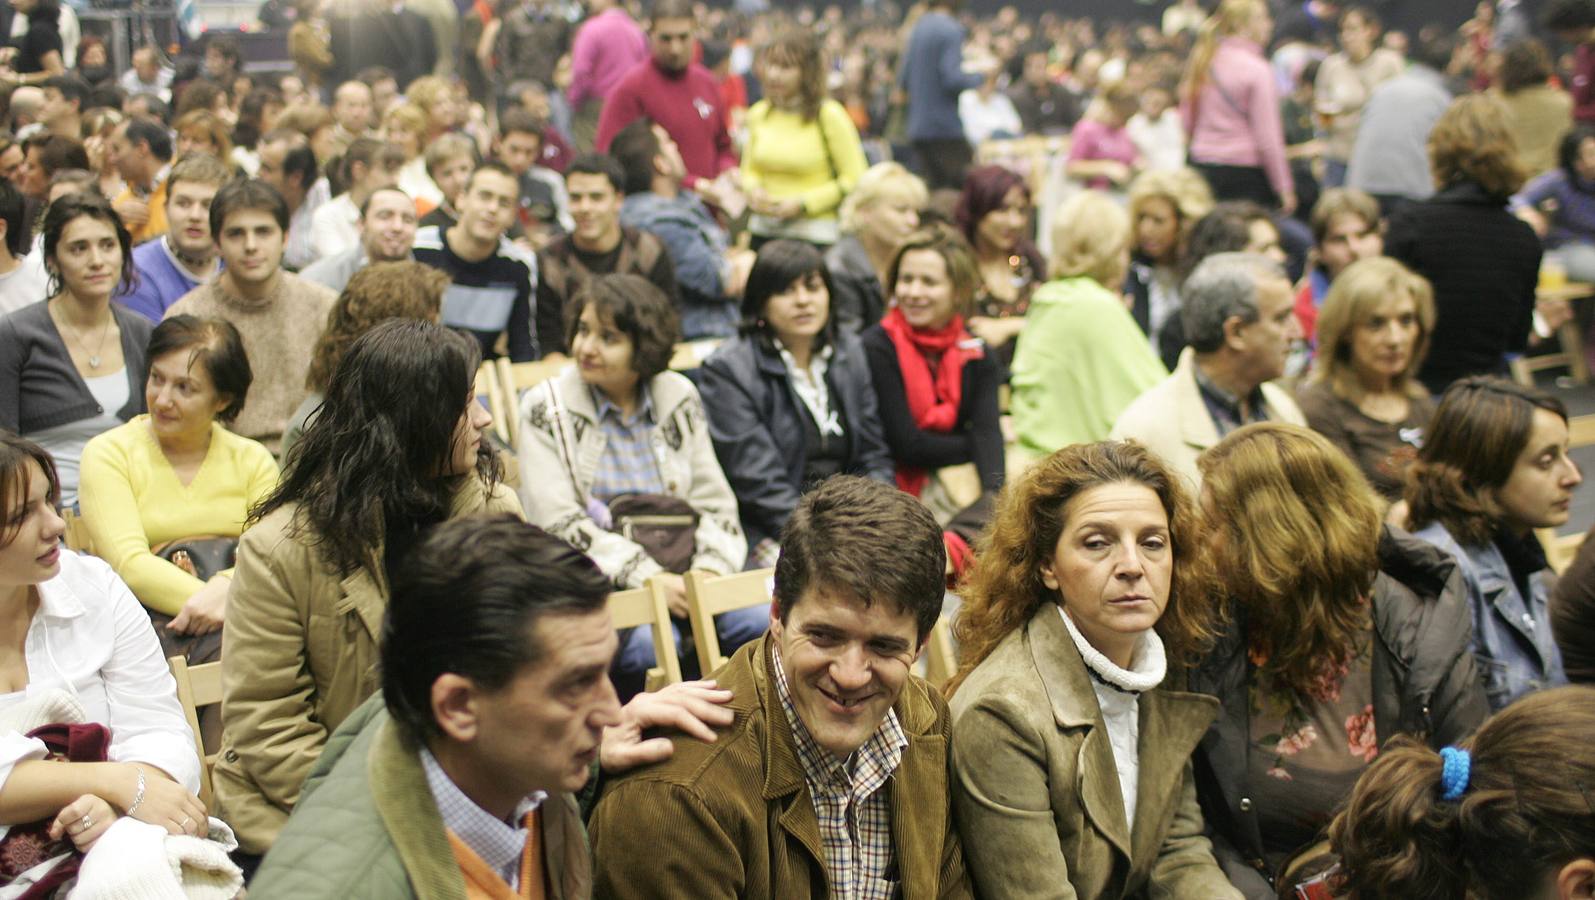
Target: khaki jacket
x=299 y=654
x=733 y=819
x=1172 y=421
x=1036 y=790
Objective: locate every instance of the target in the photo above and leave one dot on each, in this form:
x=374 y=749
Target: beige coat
x=1036 y=790
x=1172 y=421
x=299 y=654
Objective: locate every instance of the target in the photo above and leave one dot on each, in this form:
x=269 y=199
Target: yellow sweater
x=817 y=161
x=132 y=500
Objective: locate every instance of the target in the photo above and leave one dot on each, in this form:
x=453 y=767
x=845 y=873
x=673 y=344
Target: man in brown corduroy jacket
x=833 y=779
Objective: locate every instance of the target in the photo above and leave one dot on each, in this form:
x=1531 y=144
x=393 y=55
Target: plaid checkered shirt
x=498 y=843
x=628 y=465
x=854 y=810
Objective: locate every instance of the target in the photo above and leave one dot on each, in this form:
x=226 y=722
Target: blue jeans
x=735 y=628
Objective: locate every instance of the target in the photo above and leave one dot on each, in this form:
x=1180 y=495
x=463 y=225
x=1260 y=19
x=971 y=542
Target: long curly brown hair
x=1004 y=588
x=377 y=293
x=1294 y=527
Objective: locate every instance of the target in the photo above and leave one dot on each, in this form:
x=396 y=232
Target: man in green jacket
x=458 y=779
x=833 y=781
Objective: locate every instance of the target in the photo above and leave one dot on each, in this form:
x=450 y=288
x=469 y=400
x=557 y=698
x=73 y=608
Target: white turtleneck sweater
x=1118 y=695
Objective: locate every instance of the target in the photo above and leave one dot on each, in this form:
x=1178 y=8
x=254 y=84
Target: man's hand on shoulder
x=694 y=707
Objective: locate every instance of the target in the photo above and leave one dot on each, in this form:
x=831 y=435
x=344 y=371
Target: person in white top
x=988 y=113
x=20 y=285
x=68 y=624
x=367 y=166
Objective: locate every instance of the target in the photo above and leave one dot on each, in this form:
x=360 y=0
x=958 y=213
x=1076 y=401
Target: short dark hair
x=634 y=148
x=145 y=130
x=467 y=601
x=13 y=211
x=71 y=87
x=1524 y=64
x=61 y=213
x=1226 y=229
x=299 y=160
x=373 y=74
x=1433 y=50
x=57 y=152
x=228 y=48
x=639 y=309
x=246 y=193
x=867 y=540
x=217 y=345
x=153 y=105
x=1566 y=15
x=779 y=265
x=1567 y=152
x=598 y=164
x=15 y=453
x=516 y=120
x=670 y=9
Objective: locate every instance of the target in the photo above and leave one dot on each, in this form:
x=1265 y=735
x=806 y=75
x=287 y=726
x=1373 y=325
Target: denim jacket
x=1511 y=634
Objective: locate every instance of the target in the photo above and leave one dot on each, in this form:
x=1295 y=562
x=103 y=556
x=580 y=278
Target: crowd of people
x=1165 y=362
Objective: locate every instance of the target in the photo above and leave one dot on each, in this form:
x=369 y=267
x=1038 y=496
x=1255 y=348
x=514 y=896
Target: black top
x=977 y=438
x=554 y=292
x=40 y=39
x=487 y=298
x=1484 y=264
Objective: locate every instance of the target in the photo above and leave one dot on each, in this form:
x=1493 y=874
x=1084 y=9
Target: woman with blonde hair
x=406 y=127
x=802 y=154
x=202 y=131
x=1483 y=262
x=1363 y=393
x=435 y=97
x=1071 y=757
x=879 y=214
x=1340 y=634
x=1231 y=107
x=1164 y=204
x=1081 y=359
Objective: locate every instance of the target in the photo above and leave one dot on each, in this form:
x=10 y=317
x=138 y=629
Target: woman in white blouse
x=68 y=623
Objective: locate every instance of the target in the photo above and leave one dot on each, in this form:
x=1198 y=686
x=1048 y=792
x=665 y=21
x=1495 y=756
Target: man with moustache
x=185 y=257
x=387 y=231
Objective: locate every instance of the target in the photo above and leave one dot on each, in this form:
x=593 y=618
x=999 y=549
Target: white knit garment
x=1120 y=704
x=135 y=860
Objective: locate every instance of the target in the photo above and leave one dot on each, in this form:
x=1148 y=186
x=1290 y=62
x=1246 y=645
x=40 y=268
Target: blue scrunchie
x=1457 y=767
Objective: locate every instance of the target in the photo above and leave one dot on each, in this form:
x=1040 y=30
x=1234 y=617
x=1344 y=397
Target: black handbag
x=201 y=557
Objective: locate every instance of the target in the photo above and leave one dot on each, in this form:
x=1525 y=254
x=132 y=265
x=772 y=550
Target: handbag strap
x=556 y=412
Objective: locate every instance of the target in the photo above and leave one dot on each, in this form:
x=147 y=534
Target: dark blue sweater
x=933 y=75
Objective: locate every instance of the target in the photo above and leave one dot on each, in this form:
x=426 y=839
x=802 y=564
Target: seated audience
x=492 y=281
x=544 y=206
x=880 y=213
x=1538 y=114
x=1494 y=467
x=1164 y=206
x=387 y=227
x=706 y=269
x=1488 y=819
x=831 y=726
x=257 y=115
x=79 y=653
x=1339 y=635
x=449 y=162
x=288 y=164
x=619 y=433
x=177 y=473
x=1363 y=393
x=379 y=292
x=1102 y=155
x=365 y=168
x=185 y=257
x=790 y=402
x=1237 y=315
x=279 y=314
x=1071 y=772
x=142 y=148
x=1081 y=359
x=935 y=384
x=202 y=131
x=398 y=448
x=404 y=126
x=21 y=284
x=1572 y=610
x=599 y=245
x=994 y=214
x=487 y=613
x=72 y=366
x=46 y=155
x=1560 y=205
x=1236 y=226
x=1346 y=228
x=1484 y=263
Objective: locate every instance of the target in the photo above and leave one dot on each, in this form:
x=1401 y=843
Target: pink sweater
x=1236 y=117
x=606 y=47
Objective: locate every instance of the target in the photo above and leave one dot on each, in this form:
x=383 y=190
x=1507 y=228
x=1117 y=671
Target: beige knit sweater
x=280 y=333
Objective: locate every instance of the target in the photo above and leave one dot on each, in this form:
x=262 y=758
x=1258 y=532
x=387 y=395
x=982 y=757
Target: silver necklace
x=77 y=338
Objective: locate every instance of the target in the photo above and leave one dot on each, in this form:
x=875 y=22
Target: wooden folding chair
x=941 y=662
x=645 y=606
x=77 y=532
x=198 y=686
x=515 y=378
x=710 y=595
x=487 y=388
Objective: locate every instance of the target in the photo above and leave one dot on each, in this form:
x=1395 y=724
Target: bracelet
x=138 y=795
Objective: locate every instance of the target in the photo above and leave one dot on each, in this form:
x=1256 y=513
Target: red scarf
x=932 y=400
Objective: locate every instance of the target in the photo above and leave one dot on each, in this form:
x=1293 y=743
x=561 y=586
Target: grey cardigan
x=40 y=387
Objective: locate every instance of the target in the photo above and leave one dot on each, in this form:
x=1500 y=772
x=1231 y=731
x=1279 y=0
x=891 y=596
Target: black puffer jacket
x=1425 y=684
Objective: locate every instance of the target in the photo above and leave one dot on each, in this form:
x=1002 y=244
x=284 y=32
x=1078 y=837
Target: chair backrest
x=198 y=686
x=77 y=532
x=487 y=388
x=513 y=378
x=710 y=595
x=941 y=661
x=691 y=354
x=645 y=606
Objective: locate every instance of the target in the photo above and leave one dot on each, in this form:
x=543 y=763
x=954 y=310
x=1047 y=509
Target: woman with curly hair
x=1484 y=262
x=1085 y=594
x=1340 y=634
x=1505 y=816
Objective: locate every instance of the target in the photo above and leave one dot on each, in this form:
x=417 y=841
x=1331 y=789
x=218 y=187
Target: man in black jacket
x=381 y=35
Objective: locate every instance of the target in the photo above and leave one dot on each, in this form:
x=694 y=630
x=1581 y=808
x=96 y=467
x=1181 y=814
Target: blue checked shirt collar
x=498 y=843
x=609 y=413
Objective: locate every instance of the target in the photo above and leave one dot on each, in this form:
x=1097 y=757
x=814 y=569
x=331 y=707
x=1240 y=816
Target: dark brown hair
x=15 y=452
x=798 y=47
x=639 y=310
x=214 y=344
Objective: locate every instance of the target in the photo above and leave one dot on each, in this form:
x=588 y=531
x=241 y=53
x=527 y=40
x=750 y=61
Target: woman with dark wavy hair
x=1340 y=634
x=994 y=215
x=398 y=447
x=1085 y=594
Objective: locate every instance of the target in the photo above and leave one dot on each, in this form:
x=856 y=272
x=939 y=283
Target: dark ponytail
x=1526 y=811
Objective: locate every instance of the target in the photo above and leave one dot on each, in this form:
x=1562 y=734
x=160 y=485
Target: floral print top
x=1025 y=282
x=1307 y=752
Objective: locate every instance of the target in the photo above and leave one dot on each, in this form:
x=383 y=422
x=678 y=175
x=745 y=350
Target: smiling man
x=186 y=256
x=387 y=231
x=833 y=781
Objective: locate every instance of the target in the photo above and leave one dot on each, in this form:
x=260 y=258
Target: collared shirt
x=628 y=464
x=850 y=802
x=497 y=842
x=1227 y=410
x=810 y=387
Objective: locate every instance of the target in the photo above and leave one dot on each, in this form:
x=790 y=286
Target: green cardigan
x=1081 y=360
